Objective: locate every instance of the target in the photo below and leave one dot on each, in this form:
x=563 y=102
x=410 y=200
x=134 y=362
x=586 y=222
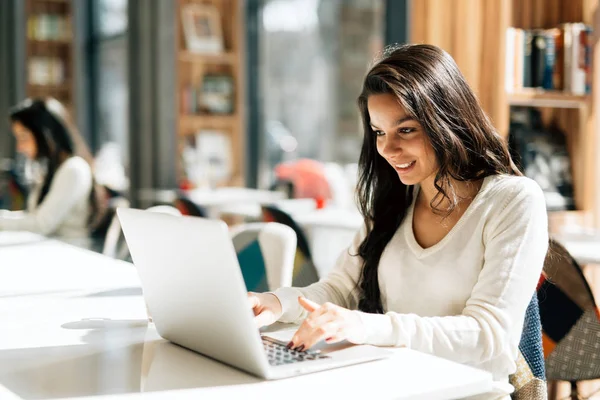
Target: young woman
x=62 y=200
x=454 y=238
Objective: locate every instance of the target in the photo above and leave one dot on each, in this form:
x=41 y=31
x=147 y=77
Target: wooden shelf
x=221 y=58
x=191 y=123
x=559 y=220
x=193 y=67
x=63 y=87
x=542 y=98
x=50 y=42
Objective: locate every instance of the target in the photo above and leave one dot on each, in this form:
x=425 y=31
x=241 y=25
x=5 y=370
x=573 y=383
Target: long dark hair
x=55 y=137
x=432 y=90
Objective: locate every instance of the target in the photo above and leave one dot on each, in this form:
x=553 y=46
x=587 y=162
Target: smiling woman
x=454 y=237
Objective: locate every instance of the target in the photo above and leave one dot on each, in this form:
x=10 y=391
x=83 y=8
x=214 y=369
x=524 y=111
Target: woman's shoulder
x=506 y=189
x=75 y=166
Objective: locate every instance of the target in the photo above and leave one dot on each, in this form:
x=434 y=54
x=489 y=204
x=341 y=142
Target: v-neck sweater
x=463 y=298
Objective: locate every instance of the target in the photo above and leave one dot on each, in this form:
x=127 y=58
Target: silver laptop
x=196 y=295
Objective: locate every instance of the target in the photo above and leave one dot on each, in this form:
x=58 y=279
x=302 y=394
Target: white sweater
x=464 y=298
x=64 y=211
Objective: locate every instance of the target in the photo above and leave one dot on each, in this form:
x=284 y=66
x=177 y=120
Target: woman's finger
x=264 y=318
x=253 y=300
x=339 y=337
x=307 y=304
x=329 y=329
x=312 y=327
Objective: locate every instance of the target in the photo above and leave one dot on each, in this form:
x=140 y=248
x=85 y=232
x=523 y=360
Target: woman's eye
x=406 y=131
x=379 y=133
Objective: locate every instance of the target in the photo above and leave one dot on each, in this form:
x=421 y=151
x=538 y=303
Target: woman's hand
x=330 y=322
x=266 y=308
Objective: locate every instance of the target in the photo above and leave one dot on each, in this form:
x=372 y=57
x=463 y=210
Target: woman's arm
x=72 y=182
x=339 y=287
x=516 y=242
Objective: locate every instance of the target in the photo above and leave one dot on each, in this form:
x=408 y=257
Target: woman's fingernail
x=290 y=345
x=299 y=348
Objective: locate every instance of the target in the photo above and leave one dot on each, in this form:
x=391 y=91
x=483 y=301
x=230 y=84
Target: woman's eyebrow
x=398 y=122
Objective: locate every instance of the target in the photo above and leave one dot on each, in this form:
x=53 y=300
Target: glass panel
x=112 y=17
x=113 y=96
x=112 y=93
x=313 y=56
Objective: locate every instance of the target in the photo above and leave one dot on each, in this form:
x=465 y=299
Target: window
x=110 y=91
x=313 y=57
x=111 y=17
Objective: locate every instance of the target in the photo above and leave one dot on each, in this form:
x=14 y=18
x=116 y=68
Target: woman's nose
x=390 y=147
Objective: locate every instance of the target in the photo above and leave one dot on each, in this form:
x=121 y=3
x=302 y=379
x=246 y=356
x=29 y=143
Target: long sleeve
x=338 y=287
x=515 y=241
x=71 y=186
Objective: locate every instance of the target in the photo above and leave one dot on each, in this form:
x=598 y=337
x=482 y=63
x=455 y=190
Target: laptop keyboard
x=279 y=354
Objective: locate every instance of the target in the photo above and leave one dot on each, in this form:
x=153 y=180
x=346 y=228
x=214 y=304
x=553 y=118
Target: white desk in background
x=237 y=200
x=74 y=325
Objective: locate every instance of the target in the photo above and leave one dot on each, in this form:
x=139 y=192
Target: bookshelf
x=575 y=113
x=543 y=98
x=219 y=109
x=49 y=50
x=475 y=34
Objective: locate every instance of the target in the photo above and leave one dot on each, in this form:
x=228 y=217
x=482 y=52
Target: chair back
x=305 y=272
x=188 y=207
x=529 y=380
x=165 y=209
x=113 y=233
x=266 y=254
x=115 y=245
x=570 y=319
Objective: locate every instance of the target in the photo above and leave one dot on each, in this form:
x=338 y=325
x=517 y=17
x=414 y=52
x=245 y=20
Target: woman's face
x=401 y=140
x=26 y=144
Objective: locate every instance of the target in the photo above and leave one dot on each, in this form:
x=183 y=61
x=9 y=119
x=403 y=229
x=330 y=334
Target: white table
x=74 y=325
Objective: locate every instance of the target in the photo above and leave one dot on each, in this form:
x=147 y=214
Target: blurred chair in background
x=101 y=224
x=13 y=189
x=114 y=244
x=305 y=272
x=188 y=207
x=266 y=254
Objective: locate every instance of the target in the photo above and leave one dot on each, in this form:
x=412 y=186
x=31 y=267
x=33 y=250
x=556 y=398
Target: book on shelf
x=48 y=27
x=557 y=59
x=46 y=71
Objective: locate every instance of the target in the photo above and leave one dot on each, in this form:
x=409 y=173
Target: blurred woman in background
x=63 y=200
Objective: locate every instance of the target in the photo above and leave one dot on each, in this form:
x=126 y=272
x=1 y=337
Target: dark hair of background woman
x=55 y=138
x=431 y=89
